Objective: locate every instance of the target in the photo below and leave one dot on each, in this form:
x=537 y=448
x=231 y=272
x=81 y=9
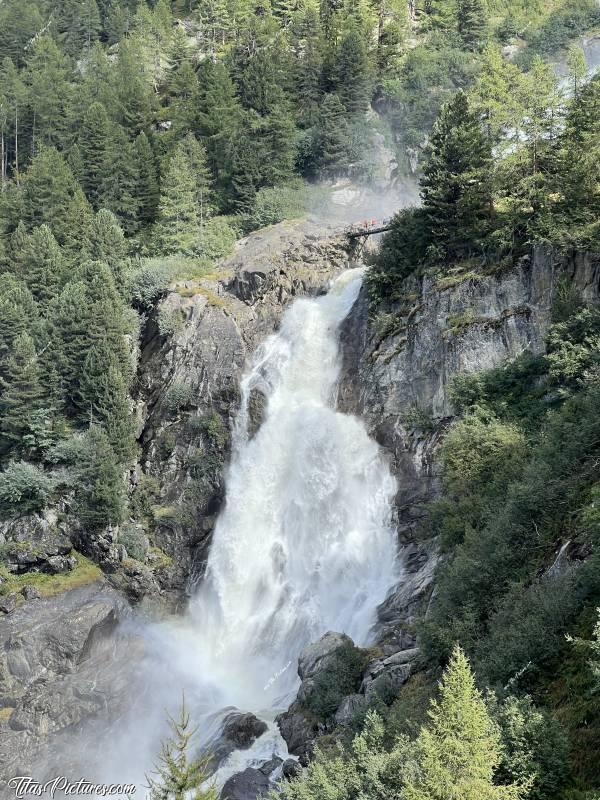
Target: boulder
x=351 y=705
x=239 y=732
x=247 y=785
x=291 y=769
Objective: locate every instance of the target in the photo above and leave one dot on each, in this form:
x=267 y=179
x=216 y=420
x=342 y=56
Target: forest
x=140 y=140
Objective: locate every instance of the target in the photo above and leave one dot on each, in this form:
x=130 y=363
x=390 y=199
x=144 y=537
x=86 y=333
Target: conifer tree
x=196 y=157
x=50 y=93
x=18 y=314
x=472 y=23
x=177 y=775
x=178 y=220
x=49 y=188
x=119 y=189
x=443 y=14
x=332 y=137
x=577 y=68
x=306 y=45
x=93 y=140
x=77 y=243
x=108 y=245
x=43 y=265
x=22 y=394
x=100 y=496
x=455 y=187
x=147 y=192
x=245 y=173
x=459 y=750
x=352 y=73
x=277 y=138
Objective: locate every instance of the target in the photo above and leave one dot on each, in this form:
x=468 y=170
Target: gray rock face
x=247 y=785
x=239 y=732
x=218 y=323
x=399 y=382
x=36 y=543
x=60 y=664
x=297 y=727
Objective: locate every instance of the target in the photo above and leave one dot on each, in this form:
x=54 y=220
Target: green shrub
x=170 y=320
x=216 y=240
x=148 y=282
x=24 y=488
x=342 y=677
x=134 y=541
x=178 y=396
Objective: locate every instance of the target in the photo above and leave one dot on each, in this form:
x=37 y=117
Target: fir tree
x=93 y=141
x=100 y=496
x=472 y=23
x=455 y=187
x=179 y=219
x=177 y=775
x=352 y=73
x=119 y=188
x=332 y=137
x=459 y=751
x=577 y=69
x=43 y=265
x=22 y=394
x=147 y=192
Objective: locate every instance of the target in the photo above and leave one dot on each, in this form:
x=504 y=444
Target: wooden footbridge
x=368 y=228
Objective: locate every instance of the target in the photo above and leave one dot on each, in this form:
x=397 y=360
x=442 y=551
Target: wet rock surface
x=61 y=663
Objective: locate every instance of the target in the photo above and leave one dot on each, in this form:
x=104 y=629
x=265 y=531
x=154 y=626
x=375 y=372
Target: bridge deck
x=357 y=233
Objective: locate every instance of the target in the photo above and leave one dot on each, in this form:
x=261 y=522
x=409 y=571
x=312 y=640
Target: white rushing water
x=304 y=544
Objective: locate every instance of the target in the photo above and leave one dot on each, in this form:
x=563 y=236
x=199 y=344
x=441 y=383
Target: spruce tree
x=459 y=750
x=455 y=186
x=100 y=493
x=93 y=141
x=332 y=137
x=120 y=183
x=351 y=73
x=472 y=23
x=245 y=173
x=179 y=219
x=177 y=775
x=147 y=192
x=49 y=189
x=43 y=265
x=22 y=395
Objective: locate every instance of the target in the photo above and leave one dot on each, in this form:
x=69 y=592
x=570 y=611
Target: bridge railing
x=368 y=227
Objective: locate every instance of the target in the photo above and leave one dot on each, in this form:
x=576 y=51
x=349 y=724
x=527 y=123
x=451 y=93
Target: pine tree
x=179 y=218
x=332 y=137
x=455 y=187
x=472 y=23
x=94 y=136
x=147 y=192
x=459 y=751
x=22 y=394
x=77 y=242
x=177 y=776
x=443 y=14
x=43 y=265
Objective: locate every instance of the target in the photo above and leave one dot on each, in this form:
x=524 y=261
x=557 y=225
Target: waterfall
x=303 y=545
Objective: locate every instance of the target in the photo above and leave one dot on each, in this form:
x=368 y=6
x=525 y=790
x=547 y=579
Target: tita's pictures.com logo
x=61 y=786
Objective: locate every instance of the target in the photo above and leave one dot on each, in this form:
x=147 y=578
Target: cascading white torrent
x=304 y=544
